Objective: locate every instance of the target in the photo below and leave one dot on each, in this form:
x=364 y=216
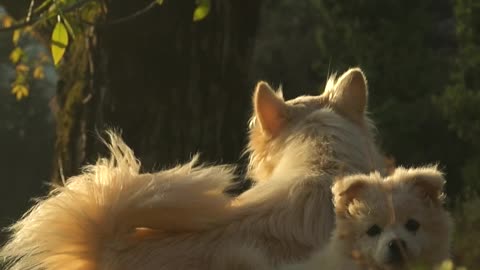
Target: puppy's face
x=393 y=222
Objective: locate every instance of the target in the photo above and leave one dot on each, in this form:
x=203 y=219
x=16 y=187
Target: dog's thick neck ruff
x=330 y=132
x=298 y=148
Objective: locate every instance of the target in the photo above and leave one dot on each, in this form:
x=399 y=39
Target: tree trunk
x=172 y=86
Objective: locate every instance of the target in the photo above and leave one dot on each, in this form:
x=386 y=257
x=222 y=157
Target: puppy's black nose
x=398 y=249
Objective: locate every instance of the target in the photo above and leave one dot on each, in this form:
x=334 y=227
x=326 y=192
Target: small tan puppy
x=387 y=223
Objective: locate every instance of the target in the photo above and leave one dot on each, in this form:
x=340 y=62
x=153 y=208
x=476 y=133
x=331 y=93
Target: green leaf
x=59 y=42
x=202 y=10
x=7 y=21
x=159 y=2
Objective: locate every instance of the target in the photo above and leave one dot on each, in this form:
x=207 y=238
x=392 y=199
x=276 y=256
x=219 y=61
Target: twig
x=133 y=15
x=33 y=19
x=30 y=9
x=123 y=19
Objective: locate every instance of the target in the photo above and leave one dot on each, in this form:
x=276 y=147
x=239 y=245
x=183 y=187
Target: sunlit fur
x=318 y=144
x=114 y=217
x=95 y=220
x=364 y=200
x=314 y=120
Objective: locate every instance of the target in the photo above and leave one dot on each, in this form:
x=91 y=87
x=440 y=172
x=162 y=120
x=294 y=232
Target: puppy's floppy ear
x=350 y=94
x=428 y=181
x=346 y=190
x=270 y=109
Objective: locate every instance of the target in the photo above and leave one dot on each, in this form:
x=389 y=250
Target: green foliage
x=467 y=221
x=459 y=103
x=397 y=43
x=67 y=25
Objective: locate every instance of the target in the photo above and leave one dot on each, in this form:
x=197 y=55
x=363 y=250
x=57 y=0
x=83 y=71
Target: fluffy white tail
x=108 y=204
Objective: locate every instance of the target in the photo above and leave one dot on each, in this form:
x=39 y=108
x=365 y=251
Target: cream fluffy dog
x=114 y=217
x=387 y=224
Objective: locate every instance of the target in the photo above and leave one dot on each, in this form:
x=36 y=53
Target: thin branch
x=123 y=19
x=133 y=15
x=30 y=9
x=35 y=18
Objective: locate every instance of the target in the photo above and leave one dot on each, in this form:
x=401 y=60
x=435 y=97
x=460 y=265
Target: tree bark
x=174 y=87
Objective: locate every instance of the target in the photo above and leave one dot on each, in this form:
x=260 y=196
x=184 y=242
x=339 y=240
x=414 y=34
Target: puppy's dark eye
x=374 y=230
x=412 y=225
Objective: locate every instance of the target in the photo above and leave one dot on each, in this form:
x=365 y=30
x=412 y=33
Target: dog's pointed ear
x=346 y=190
x=429 y=183
x=350 y=94
x=270 y=109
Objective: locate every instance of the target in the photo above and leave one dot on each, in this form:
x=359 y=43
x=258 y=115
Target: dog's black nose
x=398 y=249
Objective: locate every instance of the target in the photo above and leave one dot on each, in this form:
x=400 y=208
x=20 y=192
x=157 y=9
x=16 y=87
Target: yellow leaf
x=44 y=58
x=16 y=54
x=38 y=73
x=22 y=68
x=20 y=91
x=16 y=37
x=447 y=265
x=28 y=30
x=159 y=2
x=59 y=42
x=7 y=21
x=202 y=10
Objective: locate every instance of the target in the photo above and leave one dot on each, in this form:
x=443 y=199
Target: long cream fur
x=73 y=227
x=114 y=217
